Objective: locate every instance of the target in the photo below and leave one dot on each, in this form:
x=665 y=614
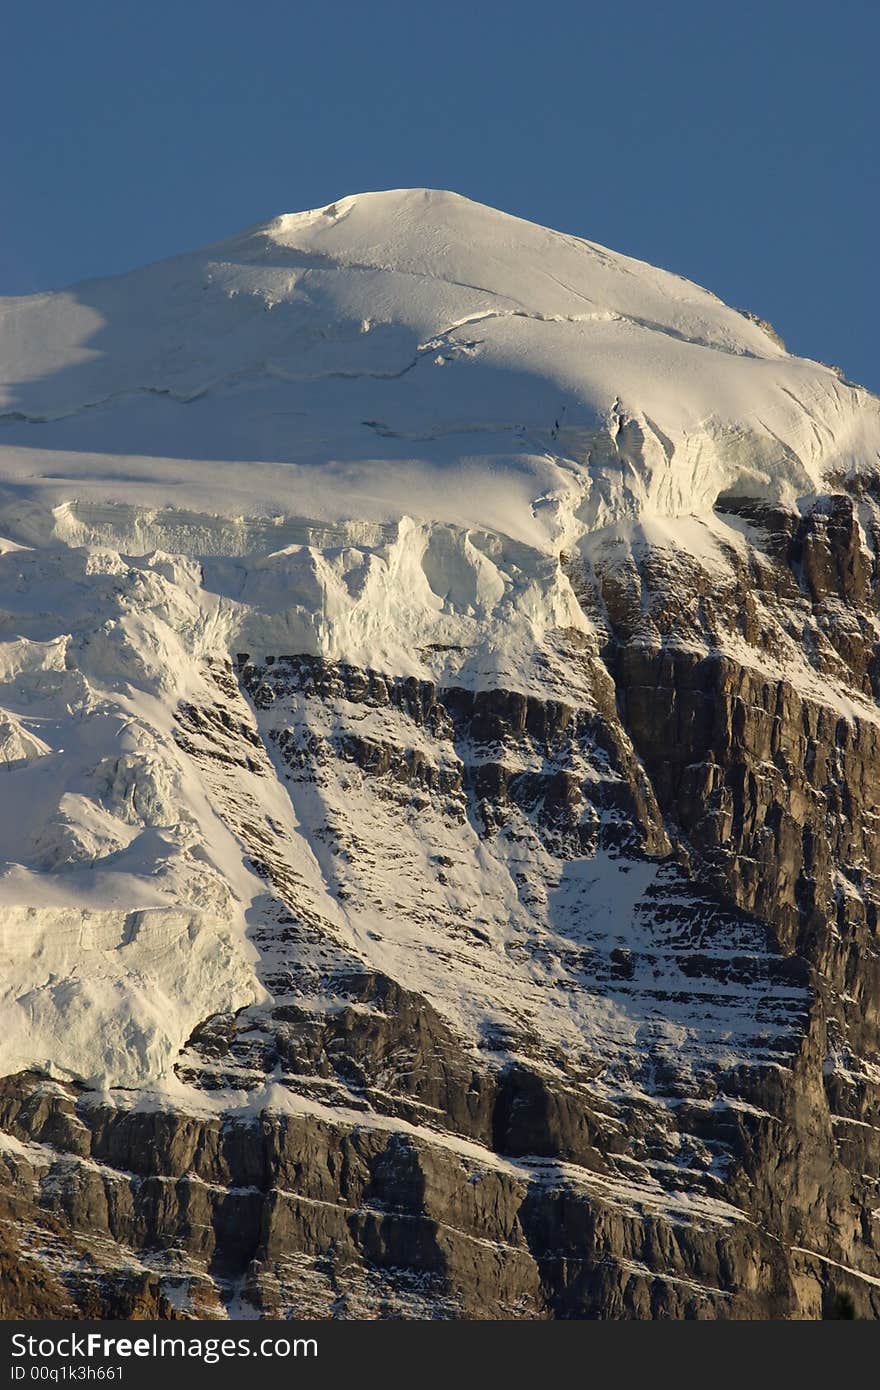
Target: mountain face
x=440 y=745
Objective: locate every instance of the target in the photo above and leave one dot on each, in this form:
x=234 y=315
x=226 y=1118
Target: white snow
x=397 y=353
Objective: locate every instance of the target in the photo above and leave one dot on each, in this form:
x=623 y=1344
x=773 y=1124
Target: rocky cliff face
x=643 y=1080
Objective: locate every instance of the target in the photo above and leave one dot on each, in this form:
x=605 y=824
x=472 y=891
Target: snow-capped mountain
x=404 y=353
x=439 y=724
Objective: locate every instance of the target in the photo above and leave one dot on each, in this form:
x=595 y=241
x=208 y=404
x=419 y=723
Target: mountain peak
x=364 y=358
x=439 y=859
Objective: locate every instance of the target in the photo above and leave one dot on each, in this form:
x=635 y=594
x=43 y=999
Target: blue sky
x=734 y=143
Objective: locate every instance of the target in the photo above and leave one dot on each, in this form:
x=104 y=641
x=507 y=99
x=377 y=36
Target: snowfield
x=376 y=433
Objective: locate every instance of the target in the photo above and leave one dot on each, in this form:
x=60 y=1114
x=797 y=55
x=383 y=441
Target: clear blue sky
x=735 y=143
